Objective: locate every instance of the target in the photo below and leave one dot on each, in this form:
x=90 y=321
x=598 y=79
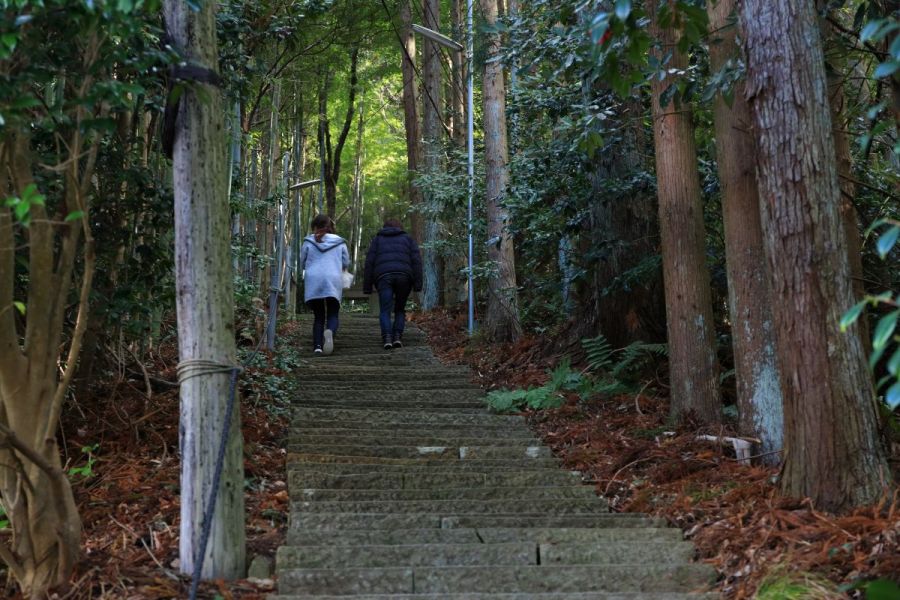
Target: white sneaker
x=328 y=346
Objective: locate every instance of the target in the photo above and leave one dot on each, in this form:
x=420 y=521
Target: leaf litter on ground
x=732 y=512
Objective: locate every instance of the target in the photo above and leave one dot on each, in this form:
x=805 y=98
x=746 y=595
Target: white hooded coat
x=323 y=263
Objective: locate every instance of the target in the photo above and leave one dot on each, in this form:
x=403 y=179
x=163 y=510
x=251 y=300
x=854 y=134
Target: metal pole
x=470 y=146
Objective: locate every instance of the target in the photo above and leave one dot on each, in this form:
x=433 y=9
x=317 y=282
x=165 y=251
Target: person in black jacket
x=394 y=268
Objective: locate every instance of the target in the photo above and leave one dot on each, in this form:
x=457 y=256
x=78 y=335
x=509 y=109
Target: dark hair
x=321 y=225
x=393 y=223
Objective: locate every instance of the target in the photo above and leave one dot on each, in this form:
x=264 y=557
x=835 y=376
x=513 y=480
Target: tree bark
x=624 y=230
x=204 y=300
x=749 y=297
x=432 y=125
x=414 y=150
x=502 y=319
x=832 y=451
x=458 y=76
x=693 y=366
x=835 y=67
x=36 y=495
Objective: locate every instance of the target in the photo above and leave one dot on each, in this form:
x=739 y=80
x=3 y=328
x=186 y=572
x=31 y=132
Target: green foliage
x=22 y=206
x=562 y=378
x=885 y=342
x=609 y=372
x=881 y=589
x=784 y=584
x=86 y=470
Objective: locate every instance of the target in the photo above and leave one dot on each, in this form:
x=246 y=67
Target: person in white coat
x=323 y=257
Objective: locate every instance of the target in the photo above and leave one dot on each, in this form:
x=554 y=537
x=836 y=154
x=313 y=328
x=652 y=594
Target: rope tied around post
x=195 y=367
x=188 y=369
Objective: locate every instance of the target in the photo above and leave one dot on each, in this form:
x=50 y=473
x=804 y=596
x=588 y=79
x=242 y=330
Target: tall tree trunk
x=832 y=451
x=414 y=150
x=458 y=76
x=432 y=126
x=357 y=188
x=322 y=132
x=37 y=496
x=749 y=297
x=502 y=319
x=835 y=71
x=204 y=301
x=693 y=366
x=624 y=229
x=333 y=156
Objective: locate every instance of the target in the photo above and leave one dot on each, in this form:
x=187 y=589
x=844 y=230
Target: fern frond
x=599 y=353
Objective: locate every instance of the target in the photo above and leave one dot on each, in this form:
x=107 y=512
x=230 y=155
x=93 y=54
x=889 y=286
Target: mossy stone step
x=511 y=519
x=443 y=468
x=537 y=578
x=464 y=407
x=447 y=493
x=508 y=553
x=305 y=479
x=386 y=385
x=386 y=402
x=297 y=458
x=514 y=596
x=399 y=433
x=368 y=440
x=385 y=371
x=424 y=555
x=556 y=506
x=506 y=451
x=638 y=529
x=401 y=394
x=302 y=415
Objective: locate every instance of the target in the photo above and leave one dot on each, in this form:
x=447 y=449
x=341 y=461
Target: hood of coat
x=329 y=241
x=391 y=231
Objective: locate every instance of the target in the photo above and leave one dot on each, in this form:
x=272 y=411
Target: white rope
x=195 y=367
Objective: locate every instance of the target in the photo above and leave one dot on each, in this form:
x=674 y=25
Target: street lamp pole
x=470 y=147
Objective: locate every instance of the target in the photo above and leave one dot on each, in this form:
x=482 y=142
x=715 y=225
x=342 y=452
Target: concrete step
x=428 y=480
x=460 y=493
x=517 y=451
x=297 y=458
x=514 y=596
x=638 y=529
x=532 y=578
x=509 y=553
x=302 y=416
x=570 y=506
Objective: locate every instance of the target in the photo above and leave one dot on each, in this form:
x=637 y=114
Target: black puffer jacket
x=392 y=251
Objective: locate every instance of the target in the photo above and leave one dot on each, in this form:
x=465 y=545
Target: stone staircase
x=403 y=486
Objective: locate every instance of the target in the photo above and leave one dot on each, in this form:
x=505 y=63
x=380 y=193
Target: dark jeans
x=324 y=309
x=393 y=290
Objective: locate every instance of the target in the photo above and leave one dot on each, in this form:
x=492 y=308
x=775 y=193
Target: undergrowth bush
x=609 y=372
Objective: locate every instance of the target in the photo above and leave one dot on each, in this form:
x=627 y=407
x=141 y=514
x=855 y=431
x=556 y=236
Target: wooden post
x=204 y=301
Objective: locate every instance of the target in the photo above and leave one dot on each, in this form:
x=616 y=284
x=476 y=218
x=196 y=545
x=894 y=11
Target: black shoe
x=387 y=342
x=398 y=343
